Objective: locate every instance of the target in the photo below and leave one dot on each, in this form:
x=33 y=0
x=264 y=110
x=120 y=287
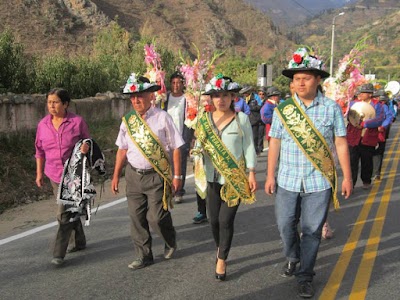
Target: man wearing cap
x=273 y=97
x=304 y=130
x=175 y=105
x=255 y=103
x=383 y=134
x=363 y=138
x=146 y=138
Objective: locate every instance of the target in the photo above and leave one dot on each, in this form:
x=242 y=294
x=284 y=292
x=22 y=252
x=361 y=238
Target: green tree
x=13 y=65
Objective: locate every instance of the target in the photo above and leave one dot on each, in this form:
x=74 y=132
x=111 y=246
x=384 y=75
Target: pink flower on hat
x=297 y=58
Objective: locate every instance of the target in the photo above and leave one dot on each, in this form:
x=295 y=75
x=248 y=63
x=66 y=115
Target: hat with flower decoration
x=139 y=84
x=221 y=83
x=304 y=60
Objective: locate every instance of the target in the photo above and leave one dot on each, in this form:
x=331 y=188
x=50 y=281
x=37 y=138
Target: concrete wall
x=19 y=113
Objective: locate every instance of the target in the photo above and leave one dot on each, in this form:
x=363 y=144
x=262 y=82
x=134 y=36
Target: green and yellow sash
x=310 y=141
x=152 y=149
x=236 y=188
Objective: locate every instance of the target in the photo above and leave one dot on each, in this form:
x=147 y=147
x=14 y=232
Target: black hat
x=273 y=91
x=367 y=88
x=139 y=85
x=177 y=74
x=303 y=61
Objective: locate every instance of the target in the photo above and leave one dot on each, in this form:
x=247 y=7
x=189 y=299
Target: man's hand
x=114 y=185
x=347 y=188
x=176 y=185
x=39 y=180
x=270 y=186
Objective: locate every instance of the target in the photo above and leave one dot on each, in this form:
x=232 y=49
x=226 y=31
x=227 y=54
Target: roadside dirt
x=28 y=216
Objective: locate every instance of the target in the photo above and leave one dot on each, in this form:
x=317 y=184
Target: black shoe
x=140 y=263
x=288 y=269
x=305 y=289
x=168 y=252
x=220 y=277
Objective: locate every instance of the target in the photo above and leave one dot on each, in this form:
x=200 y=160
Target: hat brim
x=290 y=72
x=153 y=88
x=213 y=91
x=367 y=91
x=245 y=90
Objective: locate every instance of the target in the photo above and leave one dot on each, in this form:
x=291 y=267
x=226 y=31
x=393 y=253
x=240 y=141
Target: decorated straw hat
x=139 y=84
x=302 y=60
x=221 y=83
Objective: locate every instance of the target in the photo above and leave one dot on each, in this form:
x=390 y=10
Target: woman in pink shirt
x=56 y=136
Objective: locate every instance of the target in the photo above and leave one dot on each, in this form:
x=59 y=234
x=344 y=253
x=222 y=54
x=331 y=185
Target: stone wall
x=19 y=113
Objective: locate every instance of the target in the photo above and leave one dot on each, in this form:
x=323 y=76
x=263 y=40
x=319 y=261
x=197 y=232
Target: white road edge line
x=52 y=224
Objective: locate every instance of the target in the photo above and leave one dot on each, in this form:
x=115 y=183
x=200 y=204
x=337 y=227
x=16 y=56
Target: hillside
x=70 y=25
x=379 y=20
x=289 y=12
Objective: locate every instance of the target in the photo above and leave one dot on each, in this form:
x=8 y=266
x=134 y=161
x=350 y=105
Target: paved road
x=360 y=262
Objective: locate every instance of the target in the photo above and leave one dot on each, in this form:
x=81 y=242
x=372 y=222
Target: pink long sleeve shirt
x=56 y=146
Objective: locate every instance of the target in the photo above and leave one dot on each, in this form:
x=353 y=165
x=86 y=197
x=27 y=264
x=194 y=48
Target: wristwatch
x=178 y=177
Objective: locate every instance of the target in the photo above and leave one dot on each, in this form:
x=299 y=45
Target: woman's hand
x=252 y=182
x=39 y=180
x=84 y=148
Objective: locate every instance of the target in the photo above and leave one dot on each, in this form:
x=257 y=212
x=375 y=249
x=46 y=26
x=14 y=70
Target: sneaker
x=58 y=261
x=378 y=177
x=169 y=252
x=178 y=199
x=75 y=249
x=288 y=269
x=140 y=263
x=199 y=218
x=305 y=289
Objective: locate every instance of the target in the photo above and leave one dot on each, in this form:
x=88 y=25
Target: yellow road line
x=336 y=278
x=360 y=286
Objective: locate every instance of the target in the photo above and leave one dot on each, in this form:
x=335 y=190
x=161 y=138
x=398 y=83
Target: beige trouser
x=144 y=194
x=65 y=229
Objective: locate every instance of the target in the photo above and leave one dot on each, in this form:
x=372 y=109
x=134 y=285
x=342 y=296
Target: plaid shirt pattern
x=296 y=173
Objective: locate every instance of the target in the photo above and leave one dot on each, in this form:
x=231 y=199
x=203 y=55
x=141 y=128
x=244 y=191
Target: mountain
x=71 y=25
x=376 y=20
x=290 y=12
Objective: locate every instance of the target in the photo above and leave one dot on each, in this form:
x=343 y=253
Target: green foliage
x=13 y=64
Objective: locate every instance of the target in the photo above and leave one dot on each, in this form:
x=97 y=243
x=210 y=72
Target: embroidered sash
x=310 y=141
x=236 y=187
x=152 y=149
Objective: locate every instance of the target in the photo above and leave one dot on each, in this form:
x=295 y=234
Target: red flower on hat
x=297 y=58
x=218 y=83
x=132 y=88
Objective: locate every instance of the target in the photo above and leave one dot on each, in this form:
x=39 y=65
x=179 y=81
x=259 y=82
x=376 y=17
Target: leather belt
x=143 y=171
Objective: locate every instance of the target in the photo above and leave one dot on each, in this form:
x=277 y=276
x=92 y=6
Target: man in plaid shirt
x=302 y=190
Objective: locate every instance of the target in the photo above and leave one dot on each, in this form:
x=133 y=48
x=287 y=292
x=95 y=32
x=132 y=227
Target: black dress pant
x=258 y=136
x=221 y=219
x=365 y=154
x=201 y=205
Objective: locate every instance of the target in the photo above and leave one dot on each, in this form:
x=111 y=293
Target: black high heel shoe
x=221 y=277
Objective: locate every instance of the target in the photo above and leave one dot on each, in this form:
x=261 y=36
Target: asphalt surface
x=362 y=261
